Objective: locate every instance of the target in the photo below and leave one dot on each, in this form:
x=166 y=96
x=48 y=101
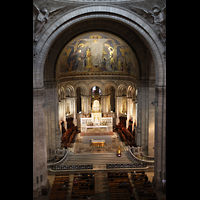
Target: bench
x=144 y=188
x=58 y=192
x=119 y=192
x=79 y=189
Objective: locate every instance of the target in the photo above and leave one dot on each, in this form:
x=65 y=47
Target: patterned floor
x=110 y=147
x=96 y=133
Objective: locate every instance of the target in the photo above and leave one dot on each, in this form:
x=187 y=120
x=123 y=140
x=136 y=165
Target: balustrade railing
x=49 y=165
x=71 y=167
x=126 y=165
x=148 y=162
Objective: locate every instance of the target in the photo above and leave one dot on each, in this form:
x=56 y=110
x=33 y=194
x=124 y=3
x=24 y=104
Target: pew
x=144 y=188
x=84 y=185
x=117 y=191
x=58 y=192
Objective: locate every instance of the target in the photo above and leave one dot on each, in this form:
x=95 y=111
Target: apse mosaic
x=97 y=52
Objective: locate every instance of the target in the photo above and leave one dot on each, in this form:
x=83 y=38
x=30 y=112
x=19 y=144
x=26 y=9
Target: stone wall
x=70 y=19
x=39 y=143
x=53 y=133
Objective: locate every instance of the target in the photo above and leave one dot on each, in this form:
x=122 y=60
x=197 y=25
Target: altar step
x=97 y=159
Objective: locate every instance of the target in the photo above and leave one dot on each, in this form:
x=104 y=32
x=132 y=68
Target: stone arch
x=70 y=89
x=108 y=84
x=136 y=22
x=83 y=86
x=131 y=91
x=96 y=83
x=124 y=16
x=62 y=93
x=121 y=88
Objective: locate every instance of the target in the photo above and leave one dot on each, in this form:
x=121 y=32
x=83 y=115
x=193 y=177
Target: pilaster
x=151 y=121
x=51 y=116
x=160 y=137
x=39 y=143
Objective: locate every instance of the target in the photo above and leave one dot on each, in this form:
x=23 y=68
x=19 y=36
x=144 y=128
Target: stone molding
x=125 y=16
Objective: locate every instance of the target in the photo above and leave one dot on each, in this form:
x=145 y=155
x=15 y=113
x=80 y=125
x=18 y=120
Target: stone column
x=134 y=112
x=117 y=109
x=160 y=137
x=138 y=129
x=129 y=110
x=143 y=116
x=89 y=104
x=103 y=103
x=151 y=121
x=63 y=110
x=74 y=110
x=39 y=143
x=106 y=103
x=85 y=105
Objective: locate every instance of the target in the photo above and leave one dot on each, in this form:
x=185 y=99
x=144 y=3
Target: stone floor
x=101 y=186
x=110 y=147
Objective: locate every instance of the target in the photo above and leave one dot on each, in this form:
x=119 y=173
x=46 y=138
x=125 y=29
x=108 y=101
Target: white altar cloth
x=97 y=140
x=96 y=127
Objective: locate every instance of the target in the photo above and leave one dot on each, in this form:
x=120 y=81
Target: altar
x=96 y=121
x=96 y=127
x=97 y=143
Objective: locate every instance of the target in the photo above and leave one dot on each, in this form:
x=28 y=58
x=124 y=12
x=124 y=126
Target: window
x=93 y=88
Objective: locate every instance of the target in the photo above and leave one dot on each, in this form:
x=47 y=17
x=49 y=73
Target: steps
x=97 y=159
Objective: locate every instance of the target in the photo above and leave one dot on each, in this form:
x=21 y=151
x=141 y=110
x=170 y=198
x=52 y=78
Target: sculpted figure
x=157 y=16
x=42 y=17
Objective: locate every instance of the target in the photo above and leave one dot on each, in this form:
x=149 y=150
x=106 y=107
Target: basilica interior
x=99 y=98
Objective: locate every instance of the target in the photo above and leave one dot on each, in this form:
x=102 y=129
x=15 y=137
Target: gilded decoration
x=97 y=53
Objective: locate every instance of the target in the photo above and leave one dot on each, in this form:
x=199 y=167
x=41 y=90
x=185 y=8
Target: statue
x=157 y=17
x=42 y=17
x=88 y=59
x=96 y=105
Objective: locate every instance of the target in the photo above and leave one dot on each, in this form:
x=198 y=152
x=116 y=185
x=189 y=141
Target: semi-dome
x=97 y=53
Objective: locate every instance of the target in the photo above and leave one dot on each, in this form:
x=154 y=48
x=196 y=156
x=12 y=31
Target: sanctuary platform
x=83 y=141
x=96 y=134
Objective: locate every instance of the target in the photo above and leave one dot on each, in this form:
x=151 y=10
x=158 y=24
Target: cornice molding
x=97 y=77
